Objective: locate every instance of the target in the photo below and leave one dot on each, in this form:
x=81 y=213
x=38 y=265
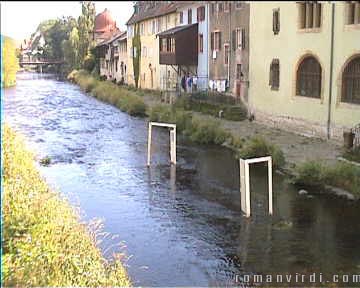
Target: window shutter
x=234 y=39
x=278 y=21
x=212 y=41
x=243 y=38
x=219 y=41
x=271 y=74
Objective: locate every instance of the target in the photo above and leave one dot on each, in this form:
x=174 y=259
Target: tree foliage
x=10 y=62
x=67 y=38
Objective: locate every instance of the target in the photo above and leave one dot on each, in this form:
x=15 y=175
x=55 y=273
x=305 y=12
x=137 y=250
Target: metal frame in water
x=172 y=140
x=245 y=183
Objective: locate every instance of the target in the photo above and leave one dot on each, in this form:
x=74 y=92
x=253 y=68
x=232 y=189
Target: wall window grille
x=309 y=15
x=276 y=21
x=274 y=79
x=351 y=82
x=308 y=78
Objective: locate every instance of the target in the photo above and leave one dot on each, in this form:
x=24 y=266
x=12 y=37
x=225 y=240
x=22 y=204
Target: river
x=178 y=226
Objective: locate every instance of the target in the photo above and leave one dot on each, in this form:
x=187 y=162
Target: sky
x=19 y=19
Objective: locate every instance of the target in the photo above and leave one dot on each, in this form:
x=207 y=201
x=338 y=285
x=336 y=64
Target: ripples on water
x=181 y=226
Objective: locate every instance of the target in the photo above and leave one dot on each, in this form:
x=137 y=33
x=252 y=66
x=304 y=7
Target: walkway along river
x=181 y=226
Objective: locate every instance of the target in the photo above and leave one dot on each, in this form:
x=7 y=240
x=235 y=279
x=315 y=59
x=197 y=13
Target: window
x=163 y=45
x=226 y=54
x=240 y=38
x=144 y=52
x=189 y=16
x=238 y=72
x=142 y=28
x=200 y=14
x=352 y=12
x=274 y=79
x=116 y=65
x=201 y=43
x=215 y=40
x=153 y=25
x=220 y=7
x=238 y=5
x=351 y=82
x=212 y=8
x=308 y=78
x=181 y=17
x=227 y=6
x=172 y=42
x=276 y=21
x=158 y=22
x=309 y=15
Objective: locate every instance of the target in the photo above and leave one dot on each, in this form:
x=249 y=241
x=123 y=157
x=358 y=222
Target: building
x=304 y=66
x=184 y=48
x=229 y=47
x=112 y=55
x=104 y=27
x=149 y=19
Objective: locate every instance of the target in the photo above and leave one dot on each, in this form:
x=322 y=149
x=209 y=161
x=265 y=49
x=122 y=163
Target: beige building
x=304 y=72
x=149 y=19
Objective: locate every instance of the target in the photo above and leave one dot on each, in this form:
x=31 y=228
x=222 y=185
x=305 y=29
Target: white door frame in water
x=245 y=183
x=172 y=140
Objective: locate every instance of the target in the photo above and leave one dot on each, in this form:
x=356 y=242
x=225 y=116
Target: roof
x=176 y=29
x=119 y=35
x=158 y=10
x=104 y=22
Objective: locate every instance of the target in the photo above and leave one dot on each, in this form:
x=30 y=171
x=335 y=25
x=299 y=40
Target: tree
x=86 y=24
x=10 y=63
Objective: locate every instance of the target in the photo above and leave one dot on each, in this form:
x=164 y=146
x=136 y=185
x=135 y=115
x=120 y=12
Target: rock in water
x=303 y=192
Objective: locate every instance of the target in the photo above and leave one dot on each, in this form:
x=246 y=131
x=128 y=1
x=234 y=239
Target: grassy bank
x=125 y=99
x=44 y=243
x=316 y=175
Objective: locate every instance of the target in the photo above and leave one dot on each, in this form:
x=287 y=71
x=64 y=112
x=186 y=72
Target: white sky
x=20 y=19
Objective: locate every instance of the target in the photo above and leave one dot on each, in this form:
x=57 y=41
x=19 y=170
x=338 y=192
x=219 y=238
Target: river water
x=177 y=226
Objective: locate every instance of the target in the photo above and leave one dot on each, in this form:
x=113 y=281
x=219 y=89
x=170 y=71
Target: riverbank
x=44 y=244
x=292 y=153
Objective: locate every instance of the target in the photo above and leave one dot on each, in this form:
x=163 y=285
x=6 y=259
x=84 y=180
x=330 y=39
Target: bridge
x=41 y=63
x=44 y=62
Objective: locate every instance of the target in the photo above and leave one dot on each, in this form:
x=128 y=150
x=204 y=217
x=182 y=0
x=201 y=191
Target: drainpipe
x=230 y=42
x=331 y=69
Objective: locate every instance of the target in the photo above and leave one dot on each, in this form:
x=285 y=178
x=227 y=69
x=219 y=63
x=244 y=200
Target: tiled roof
x=158 y=10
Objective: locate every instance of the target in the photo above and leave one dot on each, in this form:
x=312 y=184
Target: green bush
x=310 y=174
x=208 y=132
x=342 y=175
x=258 y=147
x=44 y=244
x=353 y=155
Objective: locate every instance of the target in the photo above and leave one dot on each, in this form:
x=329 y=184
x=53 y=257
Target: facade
x=228 y=55
x=304 y=66
x=190 y=13
x=113 y=58
x=149 y=19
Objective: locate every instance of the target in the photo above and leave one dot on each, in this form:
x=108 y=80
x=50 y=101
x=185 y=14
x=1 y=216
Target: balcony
x=179 y=45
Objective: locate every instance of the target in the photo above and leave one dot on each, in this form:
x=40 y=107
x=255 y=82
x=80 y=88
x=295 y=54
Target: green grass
x=125 y=99
x=230 y=112
x=259 y=147
x=353 y=154
x=195 y=129
x=44 y=244
x=342 y=175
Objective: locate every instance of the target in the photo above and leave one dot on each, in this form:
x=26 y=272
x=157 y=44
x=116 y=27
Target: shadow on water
x=181 y=225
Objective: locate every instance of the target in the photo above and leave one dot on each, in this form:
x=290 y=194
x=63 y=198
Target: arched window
x=308 y=78
x=351 y=82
